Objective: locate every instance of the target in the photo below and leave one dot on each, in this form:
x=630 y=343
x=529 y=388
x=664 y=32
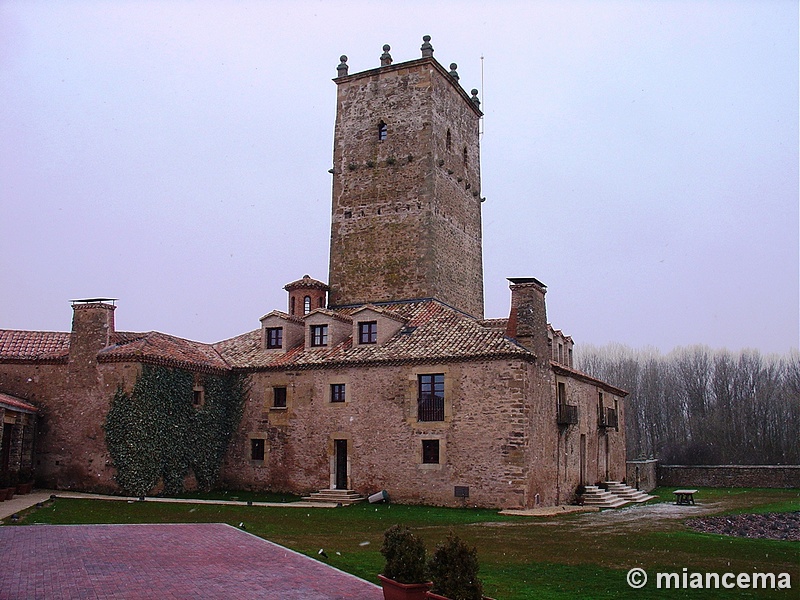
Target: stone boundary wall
x=765 y=476
x=642 y=474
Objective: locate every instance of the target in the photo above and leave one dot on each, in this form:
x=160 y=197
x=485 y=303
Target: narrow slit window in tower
x=382 y=131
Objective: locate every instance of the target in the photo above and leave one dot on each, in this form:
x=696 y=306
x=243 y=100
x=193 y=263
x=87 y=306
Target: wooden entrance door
x=340 y=462
x=583 y=459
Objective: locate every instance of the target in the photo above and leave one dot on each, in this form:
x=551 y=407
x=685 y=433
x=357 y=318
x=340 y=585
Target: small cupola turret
x=305 y=295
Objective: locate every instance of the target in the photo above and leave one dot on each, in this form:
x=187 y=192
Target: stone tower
x=406 y=216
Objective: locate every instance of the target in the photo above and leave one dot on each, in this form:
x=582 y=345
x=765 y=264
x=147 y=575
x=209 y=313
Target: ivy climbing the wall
x=156 y=434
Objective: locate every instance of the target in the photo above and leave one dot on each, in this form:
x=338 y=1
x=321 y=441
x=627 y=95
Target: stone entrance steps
x=627 y=492
x=343 y=497
x=594 y=496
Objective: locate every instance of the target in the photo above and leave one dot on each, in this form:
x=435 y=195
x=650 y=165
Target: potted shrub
x=9 y=483
x=25 y=484
x=4 y=479
x=404 y=576
x=454 y=571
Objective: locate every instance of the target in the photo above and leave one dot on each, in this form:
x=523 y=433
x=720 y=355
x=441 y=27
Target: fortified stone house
x=386 y=378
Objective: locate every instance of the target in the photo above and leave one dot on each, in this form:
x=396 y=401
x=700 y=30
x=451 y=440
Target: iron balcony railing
x=608 y=417
x=567 y=414
x=430 y=408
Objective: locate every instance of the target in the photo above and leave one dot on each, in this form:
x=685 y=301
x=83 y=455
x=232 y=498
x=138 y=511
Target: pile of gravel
x=772 y=526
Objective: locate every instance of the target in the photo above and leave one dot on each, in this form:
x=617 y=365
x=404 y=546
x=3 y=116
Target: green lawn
x=583 y=555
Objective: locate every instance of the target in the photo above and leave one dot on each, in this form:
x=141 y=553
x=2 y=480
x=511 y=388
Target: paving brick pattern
x=162 y=561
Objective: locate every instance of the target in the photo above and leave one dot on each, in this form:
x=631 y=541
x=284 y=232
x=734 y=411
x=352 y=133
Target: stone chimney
x=527 y=321
x=92 y=327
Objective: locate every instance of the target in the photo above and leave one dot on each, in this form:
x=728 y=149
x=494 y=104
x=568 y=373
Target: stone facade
x=389 y=378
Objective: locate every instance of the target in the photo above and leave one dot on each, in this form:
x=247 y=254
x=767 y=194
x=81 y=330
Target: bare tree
x=696 y=405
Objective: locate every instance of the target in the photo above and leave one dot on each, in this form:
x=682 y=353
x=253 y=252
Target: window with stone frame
x=279 y=397
x=198 y=396
x=337 y=392
x=368 y=332
x=430 y=399
x=274 y=337
x=319 y=335
x=257 y=449
x=430 y=452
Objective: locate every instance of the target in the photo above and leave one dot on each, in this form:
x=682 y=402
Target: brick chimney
x=527 y=321
x=92 y=327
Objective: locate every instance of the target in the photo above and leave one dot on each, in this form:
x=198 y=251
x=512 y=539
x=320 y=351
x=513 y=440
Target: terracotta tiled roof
x=15 y=403
x=282 y=315
x=306 y=282
x=434 y=333
x=381 y=311
x=152 y=347
x=495 y=323
x=339 y=315
x=160 y=348
x=33 y=345
x=569 y=371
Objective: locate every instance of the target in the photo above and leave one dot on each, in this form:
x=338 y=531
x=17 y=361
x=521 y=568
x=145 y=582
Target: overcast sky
x=639 y=158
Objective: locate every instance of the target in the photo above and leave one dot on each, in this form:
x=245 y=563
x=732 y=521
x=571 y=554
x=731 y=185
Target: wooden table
x=684 y=496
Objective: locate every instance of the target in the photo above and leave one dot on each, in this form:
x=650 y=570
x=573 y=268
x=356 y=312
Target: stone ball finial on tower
x=341 y=70
x=453 y=72
x=386 y=58
x=474 y=98
x=427 y=49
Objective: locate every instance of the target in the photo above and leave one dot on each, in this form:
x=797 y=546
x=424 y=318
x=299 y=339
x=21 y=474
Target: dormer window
x=382 y=131
x=368 y=332
x=319 y=335
x=306 y=305
x=274 y=337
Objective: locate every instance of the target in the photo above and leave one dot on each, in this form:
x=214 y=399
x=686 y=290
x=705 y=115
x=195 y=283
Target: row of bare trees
x=696 y=405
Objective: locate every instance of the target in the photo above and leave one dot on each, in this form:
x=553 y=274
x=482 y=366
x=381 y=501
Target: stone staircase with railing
x=343 y=497
x=627 y=492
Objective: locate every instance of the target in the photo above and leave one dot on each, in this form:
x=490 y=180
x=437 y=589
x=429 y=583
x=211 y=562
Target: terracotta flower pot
x=393 y=590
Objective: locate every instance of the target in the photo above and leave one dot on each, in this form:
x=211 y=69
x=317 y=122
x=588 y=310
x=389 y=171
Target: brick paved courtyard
x=162 y=561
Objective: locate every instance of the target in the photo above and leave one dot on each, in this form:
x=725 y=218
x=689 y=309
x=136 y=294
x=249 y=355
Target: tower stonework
x=406 y=210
